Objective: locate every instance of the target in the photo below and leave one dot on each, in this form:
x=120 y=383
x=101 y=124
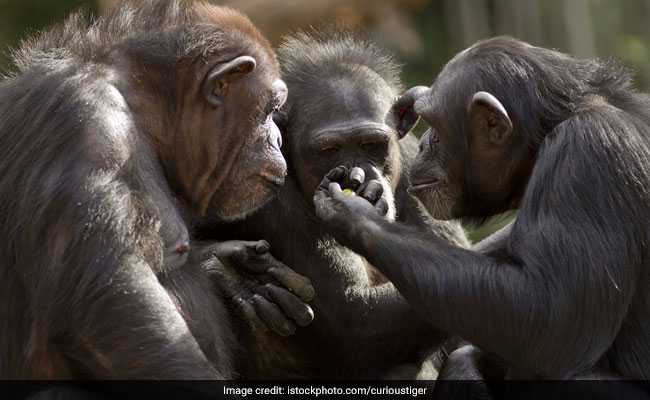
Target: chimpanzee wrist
x=359 y=234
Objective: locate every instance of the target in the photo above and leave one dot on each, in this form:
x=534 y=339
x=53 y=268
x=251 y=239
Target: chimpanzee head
x=488 y=111
x=341 y=93
x=204 y=91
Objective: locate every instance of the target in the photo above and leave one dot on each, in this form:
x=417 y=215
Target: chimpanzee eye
x=329 y=149
x=370 y=145
x=374 y=146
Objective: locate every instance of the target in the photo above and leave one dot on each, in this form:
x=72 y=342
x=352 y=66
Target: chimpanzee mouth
x=275 y=180
x=419 y=187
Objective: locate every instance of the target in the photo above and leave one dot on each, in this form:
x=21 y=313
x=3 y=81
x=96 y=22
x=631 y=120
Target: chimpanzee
x=341 y=90
x=116 y=135
x=565 y=141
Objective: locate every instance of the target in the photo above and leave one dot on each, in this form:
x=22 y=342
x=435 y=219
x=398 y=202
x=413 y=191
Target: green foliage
x=477 y=233
x=19 y=18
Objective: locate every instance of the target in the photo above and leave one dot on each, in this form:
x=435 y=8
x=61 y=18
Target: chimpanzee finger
x=382 y=207
x=294 y=282
x=338 y=174
x=292 y=306
x=249 y=256
x=320 y=197
x=336 y=192
x=373 y=191
x=356 y=178
x=255 y=258
x=229 y=248
x=249 y=314
x=200 y=252
x=273 y=317
x=262 y=246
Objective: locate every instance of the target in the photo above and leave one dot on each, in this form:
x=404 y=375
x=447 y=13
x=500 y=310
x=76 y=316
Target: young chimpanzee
x=116 y=135
x=339 y=110
x=565 y=141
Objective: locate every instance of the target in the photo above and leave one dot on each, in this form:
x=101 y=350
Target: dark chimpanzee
x=565 y=141
x=116 y=135
x=341 y=91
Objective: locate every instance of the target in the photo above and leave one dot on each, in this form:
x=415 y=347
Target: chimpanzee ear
x=215 y=85
x=488 y=116
x=402 y=117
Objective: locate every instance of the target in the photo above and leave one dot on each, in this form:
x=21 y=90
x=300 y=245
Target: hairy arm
x=97 y=292
x=573 y=246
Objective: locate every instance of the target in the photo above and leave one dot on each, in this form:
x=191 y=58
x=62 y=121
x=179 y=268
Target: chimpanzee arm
x=558 y=305
x=95 y=291
x=362 y=316
x=369 y=307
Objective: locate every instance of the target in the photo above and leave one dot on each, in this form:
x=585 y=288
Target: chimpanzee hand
x=343 y=198
x=249 y=276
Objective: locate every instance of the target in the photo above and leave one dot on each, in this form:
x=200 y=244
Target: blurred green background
x=423 y=34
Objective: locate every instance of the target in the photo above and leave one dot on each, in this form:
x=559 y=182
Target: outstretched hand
x=344 y=198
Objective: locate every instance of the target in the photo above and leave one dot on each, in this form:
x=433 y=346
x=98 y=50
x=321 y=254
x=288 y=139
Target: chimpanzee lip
x=424 y=185
x=275 y=180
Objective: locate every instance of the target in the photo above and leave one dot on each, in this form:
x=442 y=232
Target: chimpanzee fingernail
x=357 y=176
x=334 y=187
x=336 y=173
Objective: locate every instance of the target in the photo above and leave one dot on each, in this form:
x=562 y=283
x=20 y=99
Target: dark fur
x=566 y=292
x=80 y=190
x=305 y=55
x=363 y=328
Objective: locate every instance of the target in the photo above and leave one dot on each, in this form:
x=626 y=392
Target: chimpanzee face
x=437 y=175
x=228 y=153
x=343 y=122
x=470 y=153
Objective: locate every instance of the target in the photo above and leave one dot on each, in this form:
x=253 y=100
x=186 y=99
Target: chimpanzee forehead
x=369 y=91
x=461 y=78
x=341 y=97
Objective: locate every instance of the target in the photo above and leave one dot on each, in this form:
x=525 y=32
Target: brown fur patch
x=233 y=19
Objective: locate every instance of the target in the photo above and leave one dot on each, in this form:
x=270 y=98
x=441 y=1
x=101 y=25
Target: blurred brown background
x=423 y=34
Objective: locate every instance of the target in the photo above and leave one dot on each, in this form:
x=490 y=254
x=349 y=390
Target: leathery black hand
x=344 y=196
x=268 y=293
